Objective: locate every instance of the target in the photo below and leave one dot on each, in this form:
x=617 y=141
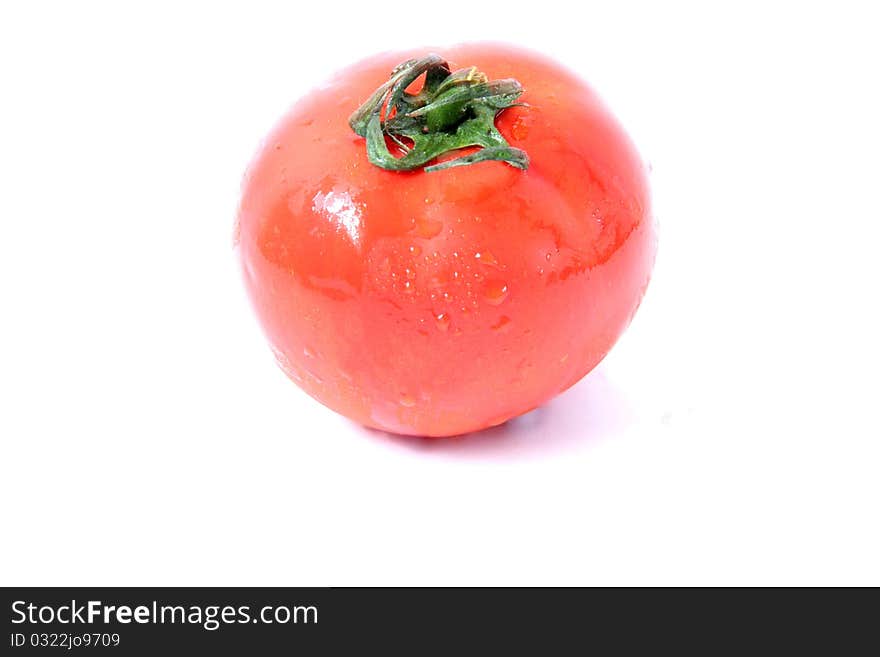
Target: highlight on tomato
x=437 y=242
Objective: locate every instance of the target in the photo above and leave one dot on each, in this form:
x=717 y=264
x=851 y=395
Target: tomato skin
x=441 y=303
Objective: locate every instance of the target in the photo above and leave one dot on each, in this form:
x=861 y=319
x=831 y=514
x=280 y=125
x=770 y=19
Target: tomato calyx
x=453 y=110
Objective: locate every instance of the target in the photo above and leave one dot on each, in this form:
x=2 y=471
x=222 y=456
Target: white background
x=731 y=437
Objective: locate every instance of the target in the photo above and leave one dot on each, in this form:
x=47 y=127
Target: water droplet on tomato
x=487 y=258
x=520 y=127
x=442 y=321
x=502 y=324
x=407 y=401
x=427 y=228
x=286 y=366
x=496 y=292
x=415 y=249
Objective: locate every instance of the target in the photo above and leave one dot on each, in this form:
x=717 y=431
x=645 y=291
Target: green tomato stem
x=453 y=110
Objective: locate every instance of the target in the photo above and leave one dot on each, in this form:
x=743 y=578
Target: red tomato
x=438 y=303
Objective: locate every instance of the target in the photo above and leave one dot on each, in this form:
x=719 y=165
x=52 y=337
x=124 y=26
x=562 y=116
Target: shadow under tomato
x=589 y=412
